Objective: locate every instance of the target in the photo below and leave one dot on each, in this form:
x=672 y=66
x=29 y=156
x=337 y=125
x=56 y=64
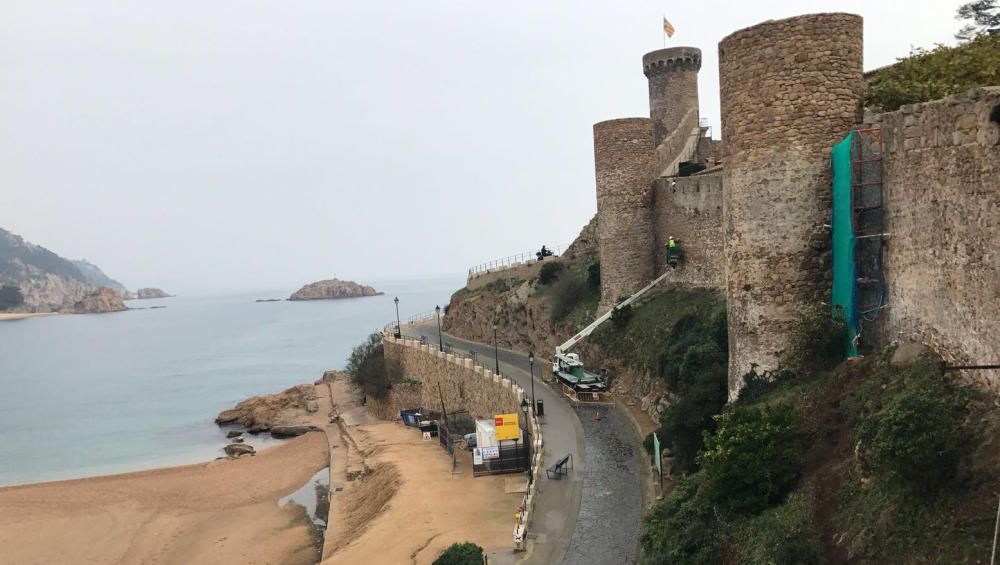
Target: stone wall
x=789 y=89
x=623 y=155
x=462 y=385
x=942 y=191
x=673 y=87
x=690 y=209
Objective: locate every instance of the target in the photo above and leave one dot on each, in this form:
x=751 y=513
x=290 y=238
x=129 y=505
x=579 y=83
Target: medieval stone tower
x=623 y=156
x=673 y=88
x=789 y=89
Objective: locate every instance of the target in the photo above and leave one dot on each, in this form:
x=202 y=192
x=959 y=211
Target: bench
x=560 y=468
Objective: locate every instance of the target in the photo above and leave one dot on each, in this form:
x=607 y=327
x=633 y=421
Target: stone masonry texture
x=942 y=262
x=690 y=210
x=789 y=90
x=462 y=385
x=673 y=87
x=623 y=155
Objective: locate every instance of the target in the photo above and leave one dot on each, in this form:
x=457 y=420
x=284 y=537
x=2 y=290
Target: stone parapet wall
x=623 y=159
x=789 y=90
x=942 y=211
x=679 y=146
x=690 y=209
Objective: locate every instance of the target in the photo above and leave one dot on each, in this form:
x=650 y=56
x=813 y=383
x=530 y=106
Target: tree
x=983 y=15
x=370 y=371
x=550 y=272
x=10 y=297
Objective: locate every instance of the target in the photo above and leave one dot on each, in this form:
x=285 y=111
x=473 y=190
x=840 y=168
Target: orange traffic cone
x=598 y=416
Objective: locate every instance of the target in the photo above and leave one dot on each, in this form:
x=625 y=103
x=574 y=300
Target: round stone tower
x=790 y=89
x=673 y=86
x=623 y=157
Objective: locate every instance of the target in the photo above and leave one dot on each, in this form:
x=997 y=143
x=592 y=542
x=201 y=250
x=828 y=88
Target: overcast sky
x=204 y=146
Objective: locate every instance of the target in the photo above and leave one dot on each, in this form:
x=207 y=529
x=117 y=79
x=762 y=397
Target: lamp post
x=496 y=348
x=531 y=372
x=437 y=310
x=524 y=409
x=399 y=326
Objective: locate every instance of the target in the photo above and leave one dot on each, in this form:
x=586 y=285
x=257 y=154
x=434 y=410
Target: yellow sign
x=507 y=426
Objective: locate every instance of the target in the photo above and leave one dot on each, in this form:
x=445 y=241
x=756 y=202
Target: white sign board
x=477 y=456
x=486 y=433
x=491 y=452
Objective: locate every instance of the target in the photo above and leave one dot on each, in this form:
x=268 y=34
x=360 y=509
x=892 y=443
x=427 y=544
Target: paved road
x=593 y=515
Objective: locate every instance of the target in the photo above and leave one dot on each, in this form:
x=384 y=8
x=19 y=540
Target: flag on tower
x=668 y=27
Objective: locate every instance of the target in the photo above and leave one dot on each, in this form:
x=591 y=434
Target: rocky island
x=100 y=300
x=333 y=288
x=145 y=293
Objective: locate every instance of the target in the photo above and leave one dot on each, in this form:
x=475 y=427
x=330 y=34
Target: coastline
x=11 y=316
x=384 y=483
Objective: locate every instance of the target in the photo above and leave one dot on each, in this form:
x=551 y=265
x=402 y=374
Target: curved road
x=593 y=515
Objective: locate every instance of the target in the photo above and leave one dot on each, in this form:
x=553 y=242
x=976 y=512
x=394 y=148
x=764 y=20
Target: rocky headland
x=146 y=293
x=275 y=412
x=333 y=288
x=100 y=301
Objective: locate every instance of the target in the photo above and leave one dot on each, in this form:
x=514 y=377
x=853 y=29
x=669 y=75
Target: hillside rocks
x=95 y=277
x=333 y=288
x=146 y=293
x=100 y=301
x=262 y=413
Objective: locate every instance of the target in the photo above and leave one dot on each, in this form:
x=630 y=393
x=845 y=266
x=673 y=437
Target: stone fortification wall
x=463 y=385
x=673 y=87
x=623 y=155
x=789 y=89
x=942 y=192
x=690 y=209
x=515 y=271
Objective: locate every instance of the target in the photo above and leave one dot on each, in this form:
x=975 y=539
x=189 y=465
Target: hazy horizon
x=202 y=148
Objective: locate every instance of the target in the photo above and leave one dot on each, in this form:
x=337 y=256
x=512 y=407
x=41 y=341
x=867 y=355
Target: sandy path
x=410 y=507
x=218 y=512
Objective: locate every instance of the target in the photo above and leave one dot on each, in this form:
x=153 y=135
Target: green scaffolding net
x=844 y=241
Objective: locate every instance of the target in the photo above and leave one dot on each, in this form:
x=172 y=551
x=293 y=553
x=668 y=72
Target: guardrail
x=517 y=258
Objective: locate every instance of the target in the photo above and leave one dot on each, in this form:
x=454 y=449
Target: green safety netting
x=844 y=240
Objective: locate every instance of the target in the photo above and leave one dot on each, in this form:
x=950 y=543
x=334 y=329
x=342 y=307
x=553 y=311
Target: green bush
x=621 y=316
x=10 y=297
x=818 y=341
x=916 y=435
x=461 y=554
x=550 y=272
x=594 y=276
x=758 y=385
x=567 y=293
x=932 y=75
x=369 y=370
x=682 y=529
x=754 y=457
x=776 y=536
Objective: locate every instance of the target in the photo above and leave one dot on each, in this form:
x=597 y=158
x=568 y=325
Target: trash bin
x=539 y=408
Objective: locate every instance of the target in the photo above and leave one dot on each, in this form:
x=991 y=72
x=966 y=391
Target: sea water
x=108 y=393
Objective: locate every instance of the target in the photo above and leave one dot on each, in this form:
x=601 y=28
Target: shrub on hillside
x=757 y=385
x=818 y=341
x=694 y=367
x=594 y=276
x=369 y=370
x=466 y=553
x=567 y=293
x=754 y=457
x=916 y=436
x=550 y=272
x=621 y=316
x=682 y=528
x=777 y=535
x=10 y=297
x=932 y=75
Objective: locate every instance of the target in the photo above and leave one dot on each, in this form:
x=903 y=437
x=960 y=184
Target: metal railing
x=517 y=258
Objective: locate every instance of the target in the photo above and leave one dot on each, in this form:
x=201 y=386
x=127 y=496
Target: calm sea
x=108 y=393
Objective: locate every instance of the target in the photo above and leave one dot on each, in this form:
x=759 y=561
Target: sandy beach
x=11 y=316
x=219 y=512
x=394 y=499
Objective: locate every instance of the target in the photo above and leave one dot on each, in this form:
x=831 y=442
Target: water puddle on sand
x=313 y=497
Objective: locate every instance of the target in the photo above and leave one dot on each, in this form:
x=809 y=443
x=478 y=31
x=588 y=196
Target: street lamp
x=496 y=348
x=524 y=409
x=437 y=310
x=531 y=372
x=399 y=328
